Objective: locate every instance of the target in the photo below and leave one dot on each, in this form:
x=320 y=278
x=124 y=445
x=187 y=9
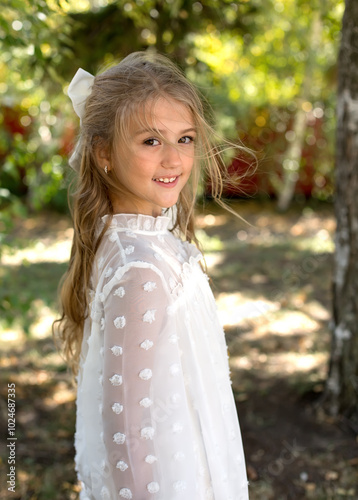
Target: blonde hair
x=116 y=97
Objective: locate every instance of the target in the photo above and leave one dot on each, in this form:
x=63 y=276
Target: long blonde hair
x=117 y=95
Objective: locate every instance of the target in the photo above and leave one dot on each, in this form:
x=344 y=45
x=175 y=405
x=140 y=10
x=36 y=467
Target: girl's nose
x=171 y=156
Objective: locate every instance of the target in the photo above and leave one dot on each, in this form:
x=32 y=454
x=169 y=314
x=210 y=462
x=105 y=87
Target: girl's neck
x=133 y=208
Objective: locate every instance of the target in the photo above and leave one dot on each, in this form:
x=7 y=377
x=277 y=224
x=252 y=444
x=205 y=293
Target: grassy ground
x=271 y=278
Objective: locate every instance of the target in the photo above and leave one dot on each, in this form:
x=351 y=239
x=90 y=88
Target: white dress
x=156 y=418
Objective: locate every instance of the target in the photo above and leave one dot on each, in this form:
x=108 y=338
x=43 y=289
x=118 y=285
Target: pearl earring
x=106 y=169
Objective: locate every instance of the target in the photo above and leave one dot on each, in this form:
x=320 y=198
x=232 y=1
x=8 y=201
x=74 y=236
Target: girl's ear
x=102 y=156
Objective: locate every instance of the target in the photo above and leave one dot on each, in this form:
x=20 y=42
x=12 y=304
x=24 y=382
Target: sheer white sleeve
x=134 y=314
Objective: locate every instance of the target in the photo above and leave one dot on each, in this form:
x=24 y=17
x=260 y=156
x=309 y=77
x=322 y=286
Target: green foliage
x=122 y=27
x=261 y=79
x=31 y=34
x=249 y=58
x=32 y=111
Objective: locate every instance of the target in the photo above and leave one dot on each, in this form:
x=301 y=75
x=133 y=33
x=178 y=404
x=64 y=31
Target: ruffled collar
x=139 y=223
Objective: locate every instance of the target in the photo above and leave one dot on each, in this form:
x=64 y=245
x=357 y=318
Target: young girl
x=156 y=418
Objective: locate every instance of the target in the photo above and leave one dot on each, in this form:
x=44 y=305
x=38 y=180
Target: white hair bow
x=78 y=91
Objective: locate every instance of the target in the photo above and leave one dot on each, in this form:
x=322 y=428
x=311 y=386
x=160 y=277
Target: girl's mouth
x=167 y=180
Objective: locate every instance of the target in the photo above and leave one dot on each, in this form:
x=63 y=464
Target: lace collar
x=139 y=223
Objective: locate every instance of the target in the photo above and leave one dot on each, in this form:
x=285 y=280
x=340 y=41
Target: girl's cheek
x=145 y=155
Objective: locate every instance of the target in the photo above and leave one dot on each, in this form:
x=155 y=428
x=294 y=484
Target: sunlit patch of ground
x=234 y=308
x=42 y=238
x=42 y=251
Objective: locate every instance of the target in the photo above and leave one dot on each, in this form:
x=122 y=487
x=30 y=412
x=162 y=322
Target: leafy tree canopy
x=249 y=57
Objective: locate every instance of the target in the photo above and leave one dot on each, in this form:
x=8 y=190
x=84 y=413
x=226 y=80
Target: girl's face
x=158 y=159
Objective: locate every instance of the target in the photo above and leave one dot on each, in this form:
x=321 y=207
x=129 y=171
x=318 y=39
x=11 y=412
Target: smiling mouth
x=166 y=180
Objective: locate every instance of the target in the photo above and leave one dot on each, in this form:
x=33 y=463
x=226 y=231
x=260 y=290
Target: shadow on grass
x=45 y=422
x=26 y=289
x=274 y=271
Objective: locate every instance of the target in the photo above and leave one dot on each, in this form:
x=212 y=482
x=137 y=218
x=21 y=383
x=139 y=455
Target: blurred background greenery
x=267 y=68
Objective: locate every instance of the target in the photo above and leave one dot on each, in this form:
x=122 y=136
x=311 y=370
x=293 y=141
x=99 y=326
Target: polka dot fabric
x=156 y=417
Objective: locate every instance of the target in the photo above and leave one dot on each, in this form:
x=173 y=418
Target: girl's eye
x=151 y=142
x=187 y=139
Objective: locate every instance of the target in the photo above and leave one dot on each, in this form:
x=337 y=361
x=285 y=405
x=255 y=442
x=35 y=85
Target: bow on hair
x=78 y=91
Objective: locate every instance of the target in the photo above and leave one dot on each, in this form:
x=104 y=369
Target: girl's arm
x=134 y=315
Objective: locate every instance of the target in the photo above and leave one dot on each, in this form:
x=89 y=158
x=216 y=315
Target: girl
x=156 y=417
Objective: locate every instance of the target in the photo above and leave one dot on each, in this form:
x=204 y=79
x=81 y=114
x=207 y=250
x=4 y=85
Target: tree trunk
x=341 y=392
x=292 y=158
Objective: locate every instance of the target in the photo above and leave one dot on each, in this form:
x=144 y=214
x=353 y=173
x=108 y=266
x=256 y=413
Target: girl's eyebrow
x=162 y=132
